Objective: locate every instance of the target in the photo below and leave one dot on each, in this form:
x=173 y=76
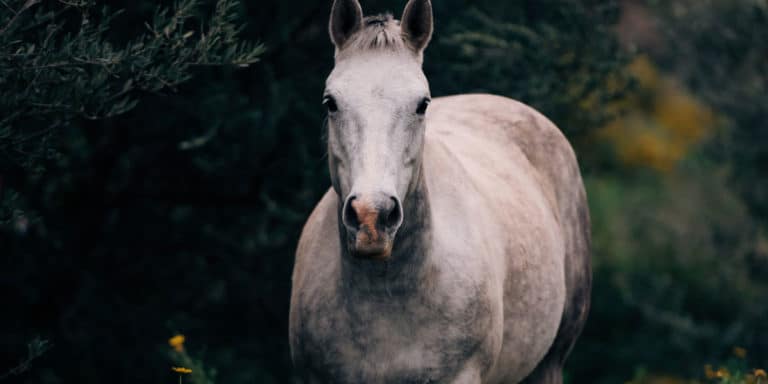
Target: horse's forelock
x=378 y=32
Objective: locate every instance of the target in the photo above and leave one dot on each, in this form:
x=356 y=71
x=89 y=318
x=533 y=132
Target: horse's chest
x=396 y=340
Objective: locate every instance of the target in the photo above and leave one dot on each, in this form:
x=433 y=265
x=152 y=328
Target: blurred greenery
x=156 y=185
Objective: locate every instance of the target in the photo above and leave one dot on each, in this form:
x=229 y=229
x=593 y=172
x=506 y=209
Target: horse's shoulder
x=321 y=227
x=311 y=291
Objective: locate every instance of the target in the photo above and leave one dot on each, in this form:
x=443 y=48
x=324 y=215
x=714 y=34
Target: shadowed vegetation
x=156 y=167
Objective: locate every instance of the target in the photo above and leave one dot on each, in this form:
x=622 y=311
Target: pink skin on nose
x=369 y=242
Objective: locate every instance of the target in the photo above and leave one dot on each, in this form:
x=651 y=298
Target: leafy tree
x=67 y=76
x=58 y=65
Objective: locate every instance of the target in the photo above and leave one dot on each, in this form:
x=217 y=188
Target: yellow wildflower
x=739 y=352
x=181 y=370
x=759 y=373
x=722 y=373
x=177 y=342
x=709 y=372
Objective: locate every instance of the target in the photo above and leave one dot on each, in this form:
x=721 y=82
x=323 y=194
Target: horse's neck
x=408 y=269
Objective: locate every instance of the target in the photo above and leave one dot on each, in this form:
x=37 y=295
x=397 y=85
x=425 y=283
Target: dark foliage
x=145 y=191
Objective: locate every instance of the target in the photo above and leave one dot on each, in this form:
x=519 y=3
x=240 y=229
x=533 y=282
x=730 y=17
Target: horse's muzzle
x=371 y=221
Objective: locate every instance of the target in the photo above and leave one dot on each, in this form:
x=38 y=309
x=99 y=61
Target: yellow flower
x=722 y=373
x=177 y=342
x=740 y=352
x=759 y=373
x=709 y=372
x=181 y=370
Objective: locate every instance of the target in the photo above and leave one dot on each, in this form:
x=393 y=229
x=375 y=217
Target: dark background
x=181 y=214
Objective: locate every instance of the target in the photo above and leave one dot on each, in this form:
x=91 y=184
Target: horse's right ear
x=346 y=19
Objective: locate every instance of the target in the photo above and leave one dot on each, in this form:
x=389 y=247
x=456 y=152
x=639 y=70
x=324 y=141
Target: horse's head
x=377 y=97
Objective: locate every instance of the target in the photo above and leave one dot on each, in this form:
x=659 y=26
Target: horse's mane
x=378 y=32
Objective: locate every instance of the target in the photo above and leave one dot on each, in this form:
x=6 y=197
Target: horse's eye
x=330 y=104
x=423 y=106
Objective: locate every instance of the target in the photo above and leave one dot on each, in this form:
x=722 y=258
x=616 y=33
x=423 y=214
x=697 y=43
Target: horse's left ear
x=417 y=23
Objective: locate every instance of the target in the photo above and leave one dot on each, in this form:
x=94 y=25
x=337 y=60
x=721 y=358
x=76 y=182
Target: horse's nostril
x=374 y=212
x=394 y=215
x=350 y=216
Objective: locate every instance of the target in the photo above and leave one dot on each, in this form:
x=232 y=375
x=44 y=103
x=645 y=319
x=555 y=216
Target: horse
x=453 y=245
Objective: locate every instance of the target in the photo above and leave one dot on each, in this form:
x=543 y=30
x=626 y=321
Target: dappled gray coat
x=454 y=244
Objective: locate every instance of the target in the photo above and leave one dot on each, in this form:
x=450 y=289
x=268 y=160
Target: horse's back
x=506 y=123
x=513 y=141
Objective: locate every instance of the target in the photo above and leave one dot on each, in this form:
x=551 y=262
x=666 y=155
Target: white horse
x=454 y=244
